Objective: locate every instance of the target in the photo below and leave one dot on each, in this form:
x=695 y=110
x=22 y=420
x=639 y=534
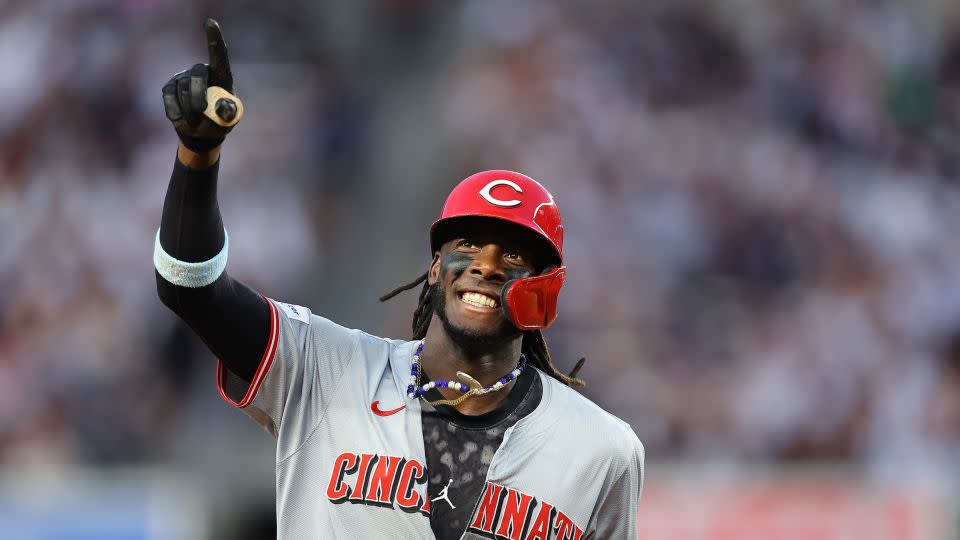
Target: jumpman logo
x=445 y=495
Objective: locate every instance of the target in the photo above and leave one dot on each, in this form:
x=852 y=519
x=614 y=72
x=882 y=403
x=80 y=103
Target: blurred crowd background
x=760 y=201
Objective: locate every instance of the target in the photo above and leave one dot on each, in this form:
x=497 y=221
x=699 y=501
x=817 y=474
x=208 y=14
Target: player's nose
x=488 y=264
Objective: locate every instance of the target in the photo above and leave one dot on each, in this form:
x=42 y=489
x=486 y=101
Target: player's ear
x=434 y=274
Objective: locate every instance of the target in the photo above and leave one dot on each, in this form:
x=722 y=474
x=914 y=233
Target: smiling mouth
x=479 y=300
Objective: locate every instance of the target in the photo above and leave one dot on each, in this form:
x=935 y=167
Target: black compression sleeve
x=231 y=318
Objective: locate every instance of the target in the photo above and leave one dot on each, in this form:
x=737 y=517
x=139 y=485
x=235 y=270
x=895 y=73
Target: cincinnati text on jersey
x=391 y=482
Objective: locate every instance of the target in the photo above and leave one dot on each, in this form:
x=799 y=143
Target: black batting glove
x=185 y=95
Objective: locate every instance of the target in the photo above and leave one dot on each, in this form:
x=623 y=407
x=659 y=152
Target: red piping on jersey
x=265 y=361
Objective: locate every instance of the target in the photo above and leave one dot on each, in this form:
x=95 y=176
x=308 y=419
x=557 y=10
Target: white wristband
x=189 y=274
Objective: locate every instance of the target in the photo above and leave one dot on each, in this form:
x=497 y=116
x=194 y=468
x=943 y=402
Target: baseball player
x=467 y=431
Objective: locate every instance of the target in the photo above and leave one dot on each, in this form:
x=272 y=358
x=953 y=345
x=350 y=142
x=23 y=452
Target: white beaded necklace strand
x=469 y=387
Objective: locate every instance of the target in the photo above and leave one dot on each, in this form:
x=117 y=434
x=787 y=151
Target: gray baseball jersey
x=350 y=459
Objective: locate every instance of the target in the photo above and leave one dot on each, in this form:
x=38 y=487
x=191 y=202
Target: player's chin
x=480 y=330
x=483 y=331
x=480 y=320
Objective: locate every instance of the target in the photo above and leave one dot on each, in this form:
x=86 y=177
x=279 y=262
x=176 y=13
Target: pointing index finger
x=220 y=74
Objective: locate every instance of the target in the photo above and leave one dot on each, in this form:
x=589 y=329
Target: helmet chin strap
x=530 y=303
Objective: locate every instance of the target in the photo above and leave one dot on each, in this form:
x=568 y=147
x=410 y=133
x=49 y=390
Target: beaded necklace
x=469 y=387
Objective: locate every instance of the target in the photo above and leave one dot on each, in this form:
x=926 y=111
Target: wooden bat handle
x=223 y=108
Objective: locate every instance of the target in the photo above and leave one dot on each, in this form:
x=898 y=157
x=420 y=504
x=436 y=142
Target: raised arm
x=191 y=246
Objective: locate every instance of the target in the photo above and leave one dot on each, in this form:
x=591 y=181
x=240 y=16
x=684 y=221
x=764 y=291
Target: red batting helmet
x=531 y=302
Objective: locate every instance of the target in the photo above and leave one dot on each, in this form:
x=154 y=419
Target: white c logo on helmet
x=485 y=193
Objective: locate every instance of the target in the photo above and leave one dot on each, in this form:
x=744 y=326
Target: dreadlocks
x=534 y=347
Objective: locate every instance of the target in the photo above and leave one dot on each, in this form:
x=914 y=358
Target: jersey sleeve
x=301 y=367
x=616 y=515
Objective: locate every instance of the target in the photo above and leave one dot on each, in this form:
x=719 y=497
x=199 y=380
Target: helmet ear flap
x=505 y=291
x=531 y=302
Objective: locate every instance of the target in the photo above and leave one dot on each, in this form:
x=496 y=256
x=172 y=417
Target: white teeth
x=477 y=299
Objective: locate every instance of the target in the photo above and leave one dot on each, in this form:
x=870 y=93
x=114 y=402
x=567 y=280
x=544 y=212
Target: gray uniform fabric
x=567 y=470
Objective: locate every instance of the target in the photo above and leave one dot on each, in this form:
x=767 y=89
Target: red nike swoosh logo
x=376 y=409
